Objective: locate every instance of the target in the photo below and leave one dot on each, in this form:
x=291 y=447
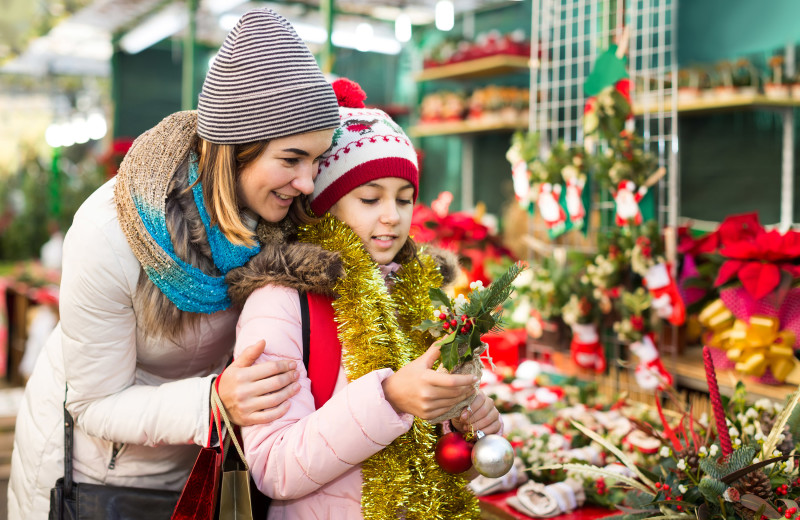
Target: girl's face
x=380 y=214
x=285 y=169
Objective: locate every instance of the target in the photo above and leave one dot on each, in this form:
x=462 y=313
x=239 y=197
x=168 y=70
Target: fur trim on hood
x=305 y=267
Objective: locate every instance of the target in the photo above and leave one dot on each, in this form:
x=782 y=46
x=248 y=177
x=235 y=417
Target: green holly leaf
x=428 y=324
x=449 y=355
x=474 y=338
x=439 y=297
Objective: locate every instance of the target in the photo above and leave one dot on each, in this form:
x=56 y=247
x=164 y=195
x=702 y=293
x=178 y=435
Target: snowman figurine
x=627 y=199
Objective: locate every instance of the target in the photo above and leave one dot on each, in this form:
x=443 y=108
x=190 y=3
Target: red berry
x=787 y=515
x=666 y=487
x=453 y=323
x=443 y=316
x=658 y=485
x=463 y=318
x=679 y=508
x=464 y=330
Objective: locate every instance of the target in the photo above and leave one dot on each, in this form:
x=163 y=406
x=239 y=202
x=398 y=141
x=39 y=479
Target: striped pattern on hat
x=368 y=145
x=264 y=84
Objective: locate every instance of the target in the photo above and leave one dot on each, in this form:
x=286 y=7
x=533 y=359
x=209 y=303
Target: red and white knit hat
x=368 y=145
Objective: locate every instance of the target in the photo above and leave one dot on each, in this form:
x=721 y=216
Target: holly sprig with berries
x=465 y=319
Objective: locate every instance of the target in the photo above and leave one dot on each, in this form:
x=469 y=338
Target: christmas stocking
x=547 y=201
x=585 y=348
x=650 y=372
x=667 y=301
x=521 y=177
x=627 y=199
x=575 y=200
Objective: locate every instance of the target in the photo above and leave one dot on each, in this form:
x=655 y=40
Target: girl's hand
x=257 y=393
x=424 y=393
x=484 y=416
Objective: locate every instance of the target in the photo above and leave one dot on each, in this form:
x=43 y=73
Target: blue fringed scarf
x=141 y=204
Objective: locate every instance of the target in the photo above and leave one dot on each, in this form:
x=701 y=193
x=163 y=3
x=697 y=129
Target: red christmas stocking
x=547 y=202
x=650 y=372
x=585 y=348
x=627 y=199
x=575 y=201
x=667 y=301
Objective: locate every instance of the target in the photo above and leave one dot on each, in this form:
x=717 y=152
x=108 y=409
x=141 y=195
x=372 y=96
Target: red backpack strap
x=322 y=352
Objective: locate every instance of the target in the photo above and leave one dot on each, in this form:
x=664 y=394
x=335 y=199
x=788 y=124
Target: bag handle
x=68 y=426
x=220 y=409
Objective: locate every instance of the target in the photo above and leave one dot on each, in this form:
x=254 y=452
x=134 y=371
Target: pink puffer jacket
x=309 y=461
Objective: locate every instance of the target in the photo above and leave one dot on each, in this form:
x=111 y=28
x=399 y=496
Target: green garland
x=376 y=331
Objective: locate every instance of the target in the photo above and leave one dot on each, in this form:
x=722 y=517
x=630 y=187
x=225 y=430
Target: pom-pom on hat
x=368 y=145
x=264 y=84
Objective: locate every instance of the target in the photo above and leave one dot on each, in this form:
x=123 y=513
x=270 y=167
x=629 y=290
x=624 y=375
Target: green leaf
x=439 y=297
x=474 y=337
x=427 y=325
x=449 y=355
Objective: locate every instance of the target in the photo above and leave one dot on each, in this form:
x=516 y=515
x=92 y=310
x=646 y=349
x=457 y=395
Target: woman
x=146 y=323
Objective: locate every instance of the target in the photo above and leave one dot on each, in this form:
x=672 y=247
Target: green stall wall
x=147 y=85
x=731 y=162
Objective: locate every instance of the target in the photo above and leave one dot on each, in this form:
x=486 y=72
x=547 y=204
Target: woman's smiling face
x=380 y=213
x=285 y=169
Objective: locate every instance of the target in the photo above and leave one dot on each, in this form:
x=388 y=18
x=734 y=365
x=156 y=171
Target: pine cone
x=692 y=461
x=756 y=483
x=743 y=512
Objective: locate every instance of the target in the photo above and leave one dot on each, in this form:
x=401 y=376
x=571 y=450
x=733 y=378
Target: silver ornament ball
x=492 y=455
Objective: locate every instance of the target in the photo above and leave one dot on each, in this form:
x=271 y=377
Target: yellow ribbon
x=753 y=346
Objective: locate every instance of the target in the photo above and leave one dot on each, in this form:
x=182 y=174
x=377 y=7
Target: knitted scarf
x=376 y=331
x=141 y=194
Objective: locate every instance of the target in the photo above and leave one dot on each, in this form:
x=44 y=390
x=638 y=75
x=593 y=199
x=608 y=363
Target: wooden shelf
x=721 y=104
x=689 y=372
x=488 y=66
x=465 y=127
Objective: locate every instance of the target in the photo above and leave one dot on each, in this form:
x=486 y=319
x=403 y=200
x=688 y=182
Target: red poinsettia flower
x=758 y=259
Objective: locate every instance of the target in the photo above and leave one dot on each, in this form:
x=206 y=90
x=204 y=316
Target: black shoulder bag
x=71 y=500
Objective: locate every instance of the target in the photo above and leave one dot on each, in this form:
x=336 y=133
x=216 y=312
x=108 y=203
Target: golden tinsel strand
x=376 y=331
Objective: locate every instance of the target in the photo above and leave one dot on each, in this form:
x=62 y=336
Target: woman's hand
x=257 y=393
x=484 y=416
x=423 y=392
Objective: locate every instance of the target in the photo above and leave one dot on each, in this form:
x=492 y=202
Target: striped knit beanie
x=368 y=145
x=264 y=84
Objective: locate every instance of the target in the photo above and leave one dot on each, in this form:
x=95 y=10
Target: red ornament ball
x=454 y=453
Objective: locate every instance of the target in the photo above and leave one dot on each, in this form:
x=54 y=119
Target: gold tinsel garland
x=376 y=331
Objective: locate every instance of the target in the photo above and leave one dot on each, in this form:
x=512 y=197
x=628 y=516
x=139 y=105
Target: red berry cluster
x=452 y=323
x=668 y=494
x=783 y=489
x=790 y=512
x=601 y=486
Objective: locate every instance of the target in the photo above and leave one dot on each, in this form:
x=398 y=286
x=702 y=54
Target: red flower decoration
x=349 y=93
x=755 y=256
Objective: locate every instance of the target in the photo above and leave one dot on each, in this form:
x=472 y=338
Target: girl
x=366 y=449
x=146 y=324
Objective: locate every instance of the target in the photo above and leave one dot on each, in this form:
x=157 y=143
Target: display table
x=493 y=507
x=689 y=372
